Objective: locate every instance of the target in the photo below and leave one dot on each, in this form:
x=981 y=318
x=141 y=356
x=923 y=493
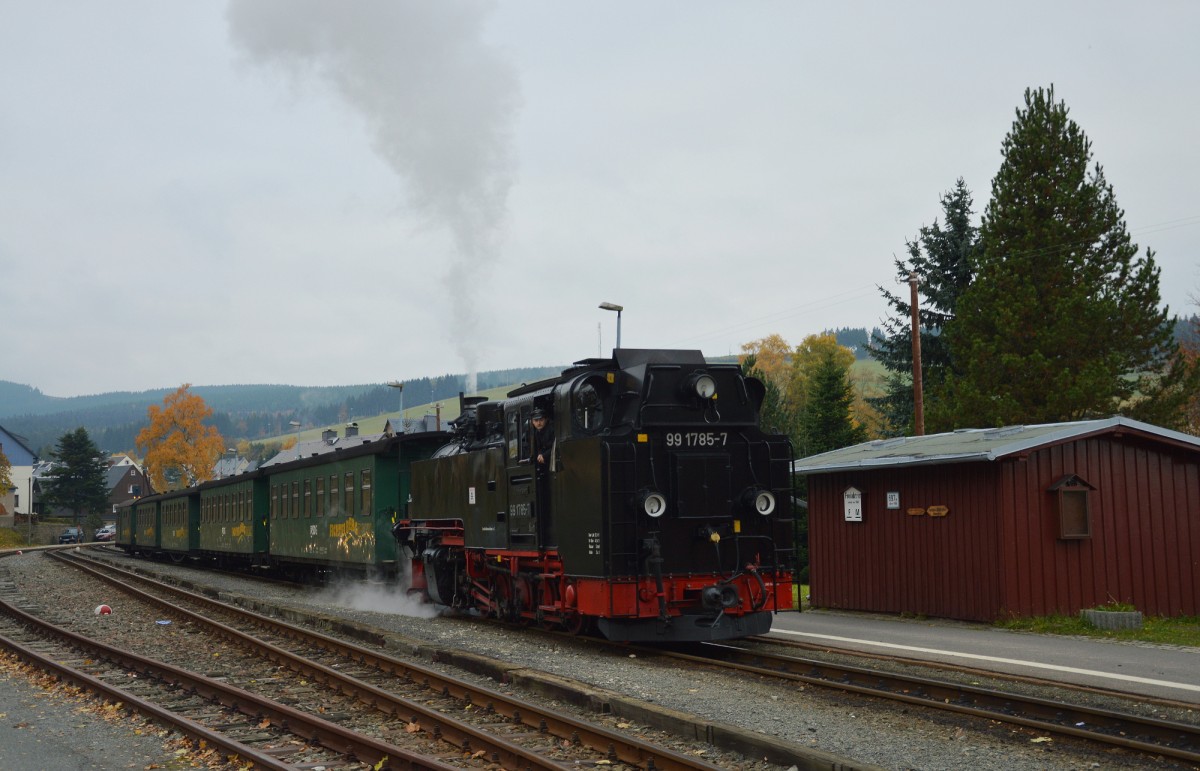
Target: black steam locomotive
x=661 y=511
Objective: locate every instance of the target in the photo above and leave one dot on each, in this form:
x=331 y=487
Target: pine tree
x=78 y=483
x=826 y=423
x=942 y=259
x=1062 y=320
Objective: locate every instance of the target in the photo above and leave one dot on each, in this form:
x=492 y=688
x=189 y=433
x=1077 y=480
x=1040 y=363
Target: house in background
x=125 y=483
x=231 y=464
x=19 y=499
x=1020 y=521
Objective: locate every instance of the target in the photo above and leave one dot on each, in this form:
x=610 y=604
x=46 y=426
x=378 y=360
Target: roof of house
x=114 y=475
x=978 y=444
x=14 y=439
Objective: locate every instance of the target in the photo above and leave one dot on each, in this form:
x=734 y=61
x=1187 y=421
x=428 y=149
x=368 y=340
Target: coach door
x=522 y=484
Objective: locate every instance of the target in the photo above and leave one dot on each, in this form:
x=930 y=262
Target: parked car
x=71 y=535
x=106 y=533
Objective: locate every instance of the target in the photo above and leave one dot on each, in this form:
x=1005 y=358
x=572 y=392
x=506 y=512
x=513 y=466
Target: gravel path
x=862 y=730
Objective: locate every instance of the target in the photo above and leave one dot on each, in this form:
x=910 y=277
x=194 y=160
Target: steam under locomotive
x=662 y=513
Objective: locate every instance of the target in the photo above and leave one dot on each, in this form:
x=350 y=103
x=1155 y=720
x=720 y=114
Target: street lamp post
x=399 y=387
x=296 y=425
x=618 y=309
x=29 y=503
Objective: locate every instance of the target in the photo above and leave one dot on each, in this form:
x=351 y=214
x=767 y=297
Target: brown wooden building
x=1025 y=521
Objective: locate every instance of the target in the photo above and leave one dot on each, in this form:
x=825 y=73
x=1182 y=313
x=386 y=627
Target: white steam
x=437 y=101
x=392 y=599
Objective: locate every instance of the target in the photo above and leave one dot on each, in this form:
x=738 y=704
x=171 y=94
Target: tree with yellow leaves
x=5 y=473
x=180 y=450
x=772 y=356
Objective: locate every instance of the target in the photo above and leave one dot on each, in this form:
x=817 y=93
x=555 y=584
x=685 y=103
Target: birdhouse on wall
x=1071 y=502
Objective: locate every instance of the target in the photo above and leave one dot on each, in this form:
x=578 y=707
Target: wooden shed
x=980 y=524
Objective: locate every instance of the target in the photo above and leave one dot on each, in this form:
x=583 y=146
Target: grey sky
x=275 y=192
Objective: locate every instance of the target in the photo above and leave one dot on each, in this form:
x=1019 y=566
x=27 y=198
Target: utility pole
x=918 y=386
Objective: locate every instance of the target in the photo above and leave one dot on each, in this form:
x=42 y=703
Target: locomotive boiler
x=661 y=511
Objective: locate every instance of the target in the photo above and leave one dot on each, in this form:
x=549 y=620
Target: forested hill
x=240 y=411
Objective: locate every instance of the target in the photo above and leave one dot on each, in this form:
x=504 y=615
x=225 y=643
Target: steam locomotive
x=661 y=511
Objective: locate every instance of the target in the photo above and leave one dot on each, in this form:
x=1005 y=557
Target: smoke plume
x=437 y=101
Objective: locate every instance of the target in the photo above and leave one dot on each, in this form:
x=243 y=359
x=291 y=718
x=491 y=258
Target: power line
x=829 y=301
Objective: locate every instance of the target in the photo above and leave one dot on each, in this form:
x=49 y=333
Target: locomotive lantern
x=659 y=512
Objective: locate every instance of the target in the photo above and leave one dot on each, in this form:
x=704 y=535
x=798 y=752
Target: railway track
x=475 y=721
x=1055 y=715
x=247 y=728
x=1105 y=726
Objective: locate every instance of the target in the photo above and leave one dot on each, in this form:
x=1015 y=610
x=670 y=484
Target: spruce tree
x=942 y=259
x=825 y=423
x=78 y=483
x=1062 y=320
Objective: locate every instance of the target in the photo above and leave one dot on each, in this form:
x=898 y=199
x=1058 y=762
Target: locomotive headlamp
x=762 y=501
x=654 y=504
x=701 y=384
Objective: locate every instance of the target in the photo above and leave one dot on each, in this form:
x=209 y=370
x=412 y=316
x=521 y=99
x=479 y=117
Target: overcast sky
x=291 y=192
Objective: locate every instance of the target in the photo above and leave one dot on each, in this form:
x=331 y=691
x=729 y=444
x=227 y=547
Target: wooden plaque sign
x=938 y=511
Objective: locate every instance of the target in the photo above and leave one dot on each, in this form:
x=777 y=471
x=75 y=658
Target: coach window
x=295 y=499
x=348 y=494
x=1071 y=495
x=320 y=496
x=367 y=501
x=307 y=498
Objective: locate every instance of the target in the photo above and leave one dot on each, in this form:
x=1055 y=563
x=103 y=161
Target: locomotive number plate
x=697 y=439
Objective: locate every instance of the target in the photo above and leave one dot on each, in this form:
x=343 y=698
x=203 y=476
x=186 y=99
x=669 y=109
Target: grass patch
x=11 y=539
x=1177 y=630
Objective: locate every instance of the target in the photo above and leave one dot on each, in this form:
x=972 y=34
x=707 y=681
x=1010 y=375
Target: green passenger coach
x=337 y=509
x=233 y=520
x=178 y=515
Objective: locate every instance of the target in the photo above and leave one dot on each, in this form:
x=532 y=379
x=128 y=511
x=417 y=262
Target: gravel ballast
x=864 y=731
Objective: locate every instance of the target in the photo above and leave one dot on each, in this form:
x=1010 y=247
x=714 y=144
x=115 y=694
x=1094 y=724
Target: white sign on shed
x=852 y=504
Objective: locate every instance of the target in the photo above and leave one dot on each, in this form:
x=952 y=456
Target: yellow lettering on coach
x=344 y=529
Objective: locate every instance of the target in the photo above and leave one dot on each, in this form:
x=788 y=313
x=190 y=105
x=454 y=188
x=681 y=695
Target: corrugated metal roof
x=973 y=444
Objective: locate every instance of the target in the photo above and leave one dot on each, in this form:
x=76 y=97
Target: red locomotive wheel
x=576 y=623
x=523 y=600
x=503 y=607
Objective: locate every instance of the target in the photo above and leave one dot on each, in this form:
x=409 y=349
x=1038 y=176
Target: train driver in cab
x=541 y=439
